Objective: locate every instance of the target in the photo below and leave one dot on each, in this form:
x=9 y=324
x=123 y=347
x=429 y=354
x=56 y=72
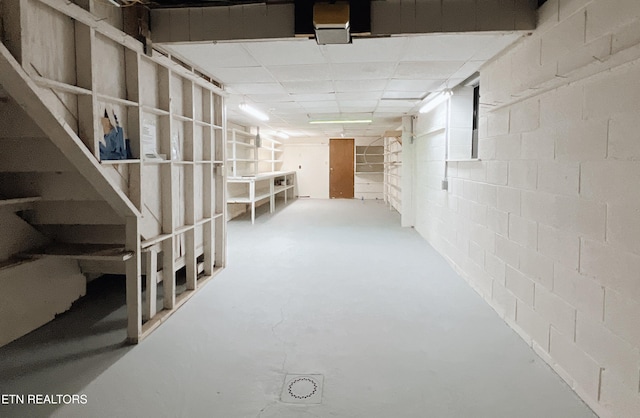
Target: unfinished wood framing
x=168 y=197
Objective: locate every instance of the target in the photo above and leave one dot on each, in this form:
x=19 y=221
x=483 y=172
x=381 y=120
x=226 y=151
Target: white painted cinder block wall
x=546 y=227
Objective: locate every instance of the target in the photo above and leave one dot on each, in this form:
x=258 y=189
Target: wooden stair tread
x=83 y=252
x=19 y=201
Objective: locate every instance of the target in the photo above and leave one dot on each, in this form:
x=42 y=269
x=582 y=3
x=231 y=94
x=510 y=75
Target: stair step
x=32 y=155
x=82 y=252
x=84 y=212
x=19 y=203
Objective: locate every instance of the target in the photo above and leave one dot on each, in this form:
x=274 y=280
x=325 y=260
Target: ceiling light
x=434 y=100
x=314 y=122
x=282 y=135
x=253 y=112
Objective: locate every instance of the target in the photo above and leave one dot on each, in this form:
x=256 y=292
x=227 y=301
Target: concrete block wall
x=546 y=226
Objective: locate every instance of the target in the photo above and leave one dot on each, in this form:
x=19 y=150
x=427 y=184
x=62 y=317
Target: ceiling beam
x=389 y=17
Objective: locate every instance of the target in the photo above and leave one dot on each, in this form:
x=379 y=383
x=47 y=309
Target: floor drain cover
x=302 y=388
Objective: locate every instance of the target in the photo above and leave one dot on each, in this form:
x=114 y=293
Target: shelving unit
x=369 y=171
x=254 y=174
x=242 y=153
x=393 y=172
x=252 y=189
x=176 y=123
x=269 y=155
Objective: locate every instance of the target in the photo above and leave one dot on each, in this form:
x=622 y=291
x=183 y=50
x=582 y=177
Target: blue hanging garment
x=114 y=147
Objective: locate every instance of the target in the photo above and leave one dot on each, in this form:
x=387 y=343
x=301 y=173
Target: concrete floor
x=335 y=288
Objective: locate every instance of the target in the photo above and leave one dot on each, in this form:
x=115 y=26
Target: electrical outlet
x=445 y=184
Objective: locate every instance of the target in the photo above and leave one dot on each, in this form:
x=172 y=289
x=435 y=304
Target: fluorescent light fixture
x=436 y=100
x=253 y=112
x=282 y=135
x=337 y=121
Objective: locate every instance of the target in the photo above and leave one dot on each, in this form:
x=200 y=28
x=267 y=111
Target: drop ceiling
x=296 y=80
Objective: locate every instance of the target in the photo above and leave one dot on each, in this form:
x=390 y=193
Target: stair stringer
x=17 y=83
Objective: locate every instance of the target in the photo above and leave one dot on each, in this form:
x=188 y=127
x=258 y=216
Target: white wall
x=310 y=158
x=546 y=227
x=311 y=162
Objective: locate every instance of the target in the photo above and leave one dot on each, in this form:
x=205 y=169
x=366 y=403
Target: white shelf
x=155 y=240
x=243 y=133
x=116 y=100
x=392 y=165
x=18 y=203
x=155 y=110
x=182 y=118
x=251 y=189
x=239 y=143
x=116 y=162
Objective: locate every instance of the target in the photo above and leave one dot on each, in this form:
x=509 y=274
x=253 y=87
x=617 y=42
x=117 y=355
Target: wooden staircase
x=72 y=213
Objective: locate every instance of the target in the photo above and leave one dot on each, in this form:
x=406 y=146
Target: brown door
x=341 y=159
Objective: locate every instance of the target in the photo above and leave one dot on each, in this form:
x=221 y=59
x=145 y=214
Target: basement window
x=463 y=121
x=476 y=111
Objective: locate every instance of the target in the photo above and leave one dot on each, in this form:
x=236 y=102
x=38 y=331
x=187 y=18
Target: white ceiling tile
x=414 y=85
x=215 y=55
x=292 y=79
x=362 y=50
x=285 y=73
x=286 y=52
x=384 y=120
x=407 y=95
x=358 y=103
x=284 y=111
x=467 y=69
x=383 y=108
x=243 y=75
x=398 y=103
x=256 y=88
x=363 y=95
x=271 y=98
x=358 y=109
x=283 y=105
x=450 y=47
x=340 y=115
x=319 y=104
x=426 y=70
x=313 y=97
x=305 y=87
x=499 y=42
x=358 y=106
x=363 y=71
x=322 y=109
x=360 y=85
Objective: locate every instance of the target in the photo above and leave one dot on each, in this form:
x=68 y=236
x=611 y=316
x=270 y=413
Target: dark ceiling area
x=356 y=5
x=209 y=3
x=359 y=16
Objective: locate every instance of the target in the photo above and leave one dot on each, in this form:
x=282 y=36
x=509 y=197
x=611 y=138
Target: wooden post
x=208 y=184
x=89 y=128
x=151 y=276
x=134 y=281
x=220 y=186
x=167 y=192
x=272 y=195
